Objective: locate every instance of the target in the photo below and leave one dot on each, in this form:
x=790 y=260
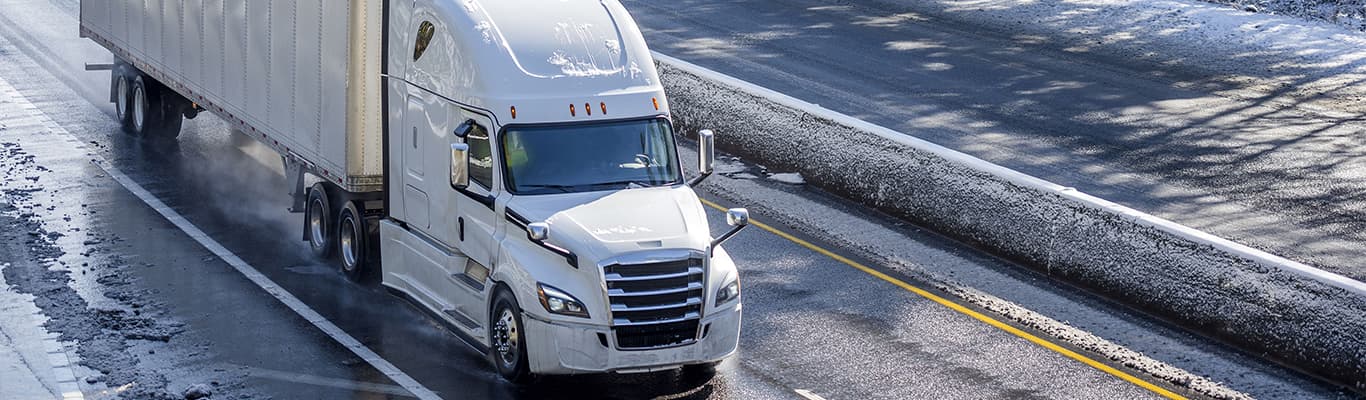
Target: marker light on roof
x=572 y=112
x=514 y=112
x=604 y=108
x=588 y=107
x=656 y=101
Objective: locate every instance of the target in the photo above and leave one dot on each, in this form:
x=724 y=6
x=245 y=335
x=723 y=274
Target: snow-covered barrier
x=1291 y=312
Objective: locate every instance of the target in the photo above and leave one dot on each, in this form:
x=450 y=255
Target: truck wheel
x=318 y=222
x=507 y=339
x=353 y=243
x=123 y=97
x=155 y=111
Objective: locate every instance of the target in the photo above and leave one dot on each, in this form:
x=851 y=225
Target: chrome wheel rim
x=121 y=98
x=348 y=244
x=506 y=338
x=139 y=107
x=315 y=223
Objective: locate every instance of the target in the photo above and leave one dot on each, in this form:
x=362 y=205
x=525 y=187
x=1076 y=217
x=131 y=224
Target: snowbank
x=1300 y=321
x=1350 y=14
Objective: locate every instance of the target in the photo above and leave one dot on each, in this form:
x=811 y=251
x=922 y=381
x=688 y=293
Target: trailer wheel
x=507 y=338
x=155 y=111
x=318 y=222
x=353 y=240
x=123 y=97
x=141 y=107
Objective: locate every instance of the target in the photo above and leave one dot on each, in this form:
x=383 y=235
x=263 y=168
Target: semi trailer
x=508 y=166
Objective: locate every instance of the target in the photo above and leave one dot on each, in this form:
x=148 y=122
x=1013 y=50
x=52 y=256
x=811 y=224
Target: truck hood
x=604 y=224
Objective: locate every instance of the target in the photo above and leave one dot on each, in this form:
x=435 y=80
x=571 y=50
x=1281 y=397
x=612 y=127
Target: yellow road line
x=964 y=310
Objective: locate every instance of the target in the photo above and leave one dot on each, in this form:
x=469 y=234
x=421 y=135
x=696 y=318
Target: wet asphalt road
x=1149 y=130
x=811 y=323
x=801 y=329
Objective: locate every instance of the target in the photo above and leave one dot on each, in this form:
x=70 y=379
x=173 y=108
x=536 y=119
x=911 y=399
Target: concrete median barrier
x=1292 y=313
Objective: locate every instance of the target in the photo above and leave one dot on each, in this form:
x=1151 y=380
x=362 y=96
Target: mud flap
x=294 y=171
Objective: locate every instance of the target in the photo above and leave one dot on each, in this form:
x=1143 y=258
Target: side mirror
x=737 y=218
x=463 y=131
x=706 y=156
x=538 y=231
x=460 y=165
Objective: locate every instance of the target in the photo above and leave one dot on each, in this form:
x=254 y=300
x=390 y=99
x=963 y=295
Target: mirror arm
x=733 y=230
x=698 y=180
x=522 y=222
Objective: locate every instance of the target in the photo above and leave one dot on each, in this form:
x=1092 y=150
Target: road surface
x=1187 y=131
x=157 y=311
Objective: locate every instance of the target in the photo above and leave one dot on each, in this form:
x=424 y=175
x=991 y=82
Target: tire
x=353 y=244
x=141 y=108
x=318 y=225
x=122 y=91
x=155 y=110
x=506 y=328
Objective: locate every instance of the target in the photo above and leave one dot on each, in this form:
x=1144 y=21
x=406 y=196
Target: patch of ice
x=575 y=67
x=792 y=178
x=486 y=30
x=635 y=70
x=613 y=47
x=724 y=166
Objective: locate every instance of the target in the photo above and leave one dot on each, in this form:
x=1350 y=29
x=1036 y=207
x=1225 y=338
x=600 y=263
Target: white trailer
x=509 y=166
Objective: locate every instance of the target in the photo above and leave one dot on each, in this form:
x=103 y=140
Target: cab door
x=416 y=129
x=475 y=217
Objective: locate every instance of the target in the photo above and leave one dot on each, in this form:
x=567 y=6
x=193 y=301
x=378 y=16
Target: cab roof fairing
x=543 y=56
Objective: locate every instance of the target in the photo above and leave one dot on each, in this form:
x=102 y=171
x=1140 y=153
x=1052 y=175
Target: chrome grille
x=655 y=304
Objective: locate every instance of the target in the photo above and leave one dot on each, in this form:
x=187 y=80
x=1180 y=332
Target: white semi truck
x=510 y=166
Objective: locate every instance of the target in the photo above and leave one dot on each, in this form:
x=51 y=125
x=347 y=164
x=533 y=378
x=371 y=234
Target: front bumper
x=558 y=349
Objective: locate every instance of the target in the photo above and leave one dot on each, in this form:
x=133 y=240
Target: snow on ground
x=791 y=178
x=1350 y=14
x=1147 y=268
x=1208 y=47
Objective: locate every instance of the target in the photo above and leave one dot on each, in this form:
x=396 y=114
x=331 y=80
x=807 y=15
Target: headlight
x=558 y=302
x=728 y=293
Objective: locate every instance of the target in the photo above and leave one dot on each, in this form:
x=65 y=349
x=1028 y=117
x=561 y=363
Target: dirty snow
x=1146 y=268
x=41 y=265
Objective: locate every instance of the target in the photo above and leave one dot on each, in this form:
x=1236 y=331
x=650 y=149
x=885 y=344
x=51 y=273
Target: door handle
x=461 y=221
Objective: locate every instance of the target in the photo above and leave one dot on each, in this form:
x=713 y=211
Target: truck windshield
x=582 y=158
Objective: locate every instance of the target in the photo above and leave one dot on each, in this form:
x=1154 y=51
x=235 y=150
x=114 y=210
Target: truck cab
x=536 y=200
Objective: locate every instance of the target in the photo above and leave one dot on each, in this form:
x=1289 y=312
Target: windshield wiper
x=627 y=182
x=561 y=188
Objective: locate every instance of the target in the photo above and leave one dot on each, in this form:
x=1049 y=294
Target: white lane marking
x=808 y=395
x=1019 y=178
x=336 y=333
